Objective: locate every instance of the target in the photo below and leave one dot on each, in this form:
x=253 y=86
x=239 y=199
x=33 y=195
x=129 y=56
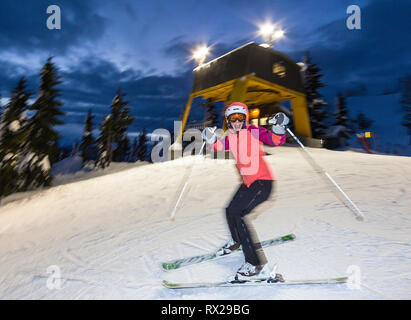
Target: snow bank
x=68 y=165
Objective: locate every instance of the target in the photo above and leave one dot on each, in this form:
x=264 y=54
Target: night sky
x=144 y=47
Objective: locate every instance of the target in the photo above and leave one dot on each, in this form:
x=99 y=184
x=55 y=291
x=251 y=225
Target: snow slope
x=70 y=170
x=107 y=235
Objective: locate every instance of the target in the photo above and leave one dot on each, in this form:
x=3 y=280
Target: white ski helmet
x=235 y=108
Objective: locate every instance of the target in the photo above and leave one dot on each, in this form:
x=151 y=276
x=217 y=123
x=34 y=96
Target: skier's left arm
x=267 y=137
x=277 y=135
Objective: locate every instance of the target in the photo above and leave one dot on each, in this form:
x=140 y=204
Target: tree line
x=321 y=124
x=29 y=141
x=113 y=143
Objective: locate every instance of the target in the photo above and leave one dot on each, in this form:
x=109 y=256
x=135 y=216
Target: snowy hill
x=107 y=235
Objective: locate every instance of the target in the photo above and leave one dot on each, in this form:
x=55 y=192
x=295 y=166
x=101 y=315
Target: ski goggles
x=236 y=116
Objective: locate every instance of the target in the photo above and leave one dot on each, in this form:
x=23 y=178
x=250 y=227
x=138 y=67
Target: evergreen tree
x=44 y=138
x=316 y=106
x=141 y=148
x=124 y=149
x=75 y=148
x=121 y=119
x=405 y=101
x=342 y=123
x=363 y=122
x=133 y=156
x=41 y=149
x=87 y=146
x=13 y=135
x=113 y=143
x=105 y=144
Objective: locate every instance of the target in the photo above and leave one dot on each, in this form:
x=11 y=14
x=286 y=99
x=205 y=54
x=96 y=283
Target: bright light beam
x=270 y=33
x=278 y=34
x=267 y=30
x=200 y=54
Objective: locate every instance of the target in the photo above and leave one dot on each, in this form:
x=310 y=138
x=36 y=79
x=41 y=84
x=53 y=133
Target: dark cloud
x=155 y=101
x=23 y=25
x=181 y=49
x=356 y=62
x=375 y=56
x=10 y=73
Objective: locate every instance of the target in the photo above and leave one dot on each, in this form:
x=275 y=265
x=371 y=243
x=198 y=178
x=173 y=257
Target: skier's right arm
x=210 y=137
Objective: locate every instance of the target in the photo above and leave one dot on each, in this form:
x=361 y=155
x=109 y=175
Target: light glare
x=278 y=34
x=270 y=33
x=200 y=54
x=267 y=29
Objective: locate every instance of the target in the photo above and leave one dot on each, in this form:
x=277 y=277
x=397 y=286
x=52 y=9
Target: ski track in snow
x=109 y=234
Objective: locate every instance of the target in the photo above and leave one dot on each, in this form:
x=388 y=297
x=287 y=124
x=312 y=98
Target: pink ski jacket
x=247 y=149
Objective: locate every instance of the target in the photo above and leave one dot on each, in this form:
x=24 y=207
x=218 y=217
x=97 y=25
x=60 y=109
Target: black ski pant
x=243 y=202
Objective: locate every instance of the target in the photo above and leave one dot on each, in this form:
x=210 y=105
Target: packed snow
x=105 y=237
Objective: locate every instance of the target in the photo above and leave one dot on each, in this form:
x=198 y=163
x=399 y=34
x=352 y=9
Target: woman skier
x=245 y=142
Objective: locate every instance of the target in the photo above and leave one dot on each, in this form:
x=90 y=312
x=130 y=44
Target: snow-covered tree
x=405 y=84
x=140 y=151
x=316 y=106
x=342 y=124
x=105 y=144
x=87 y=146
x=44 y=138
x=123 y=149
x=121 y=119
x=13 y=135
x=113 y=143
x=35 y=168
x=41 y=148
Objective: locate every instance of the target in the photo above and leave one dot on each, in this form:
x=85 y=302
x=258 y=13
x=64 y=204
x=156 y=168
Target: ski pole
x=188 y=172
x=357 y=212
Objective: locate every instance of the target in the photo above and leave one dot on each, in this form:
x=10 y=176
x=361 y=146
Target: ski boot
x=250 y=272
x=228 y=248
x=263 y=272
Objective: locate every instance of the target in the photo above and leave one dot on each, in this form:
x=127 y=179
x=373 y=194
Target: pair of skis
x=254 y=282
x=179 y=263
x=275 y=279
